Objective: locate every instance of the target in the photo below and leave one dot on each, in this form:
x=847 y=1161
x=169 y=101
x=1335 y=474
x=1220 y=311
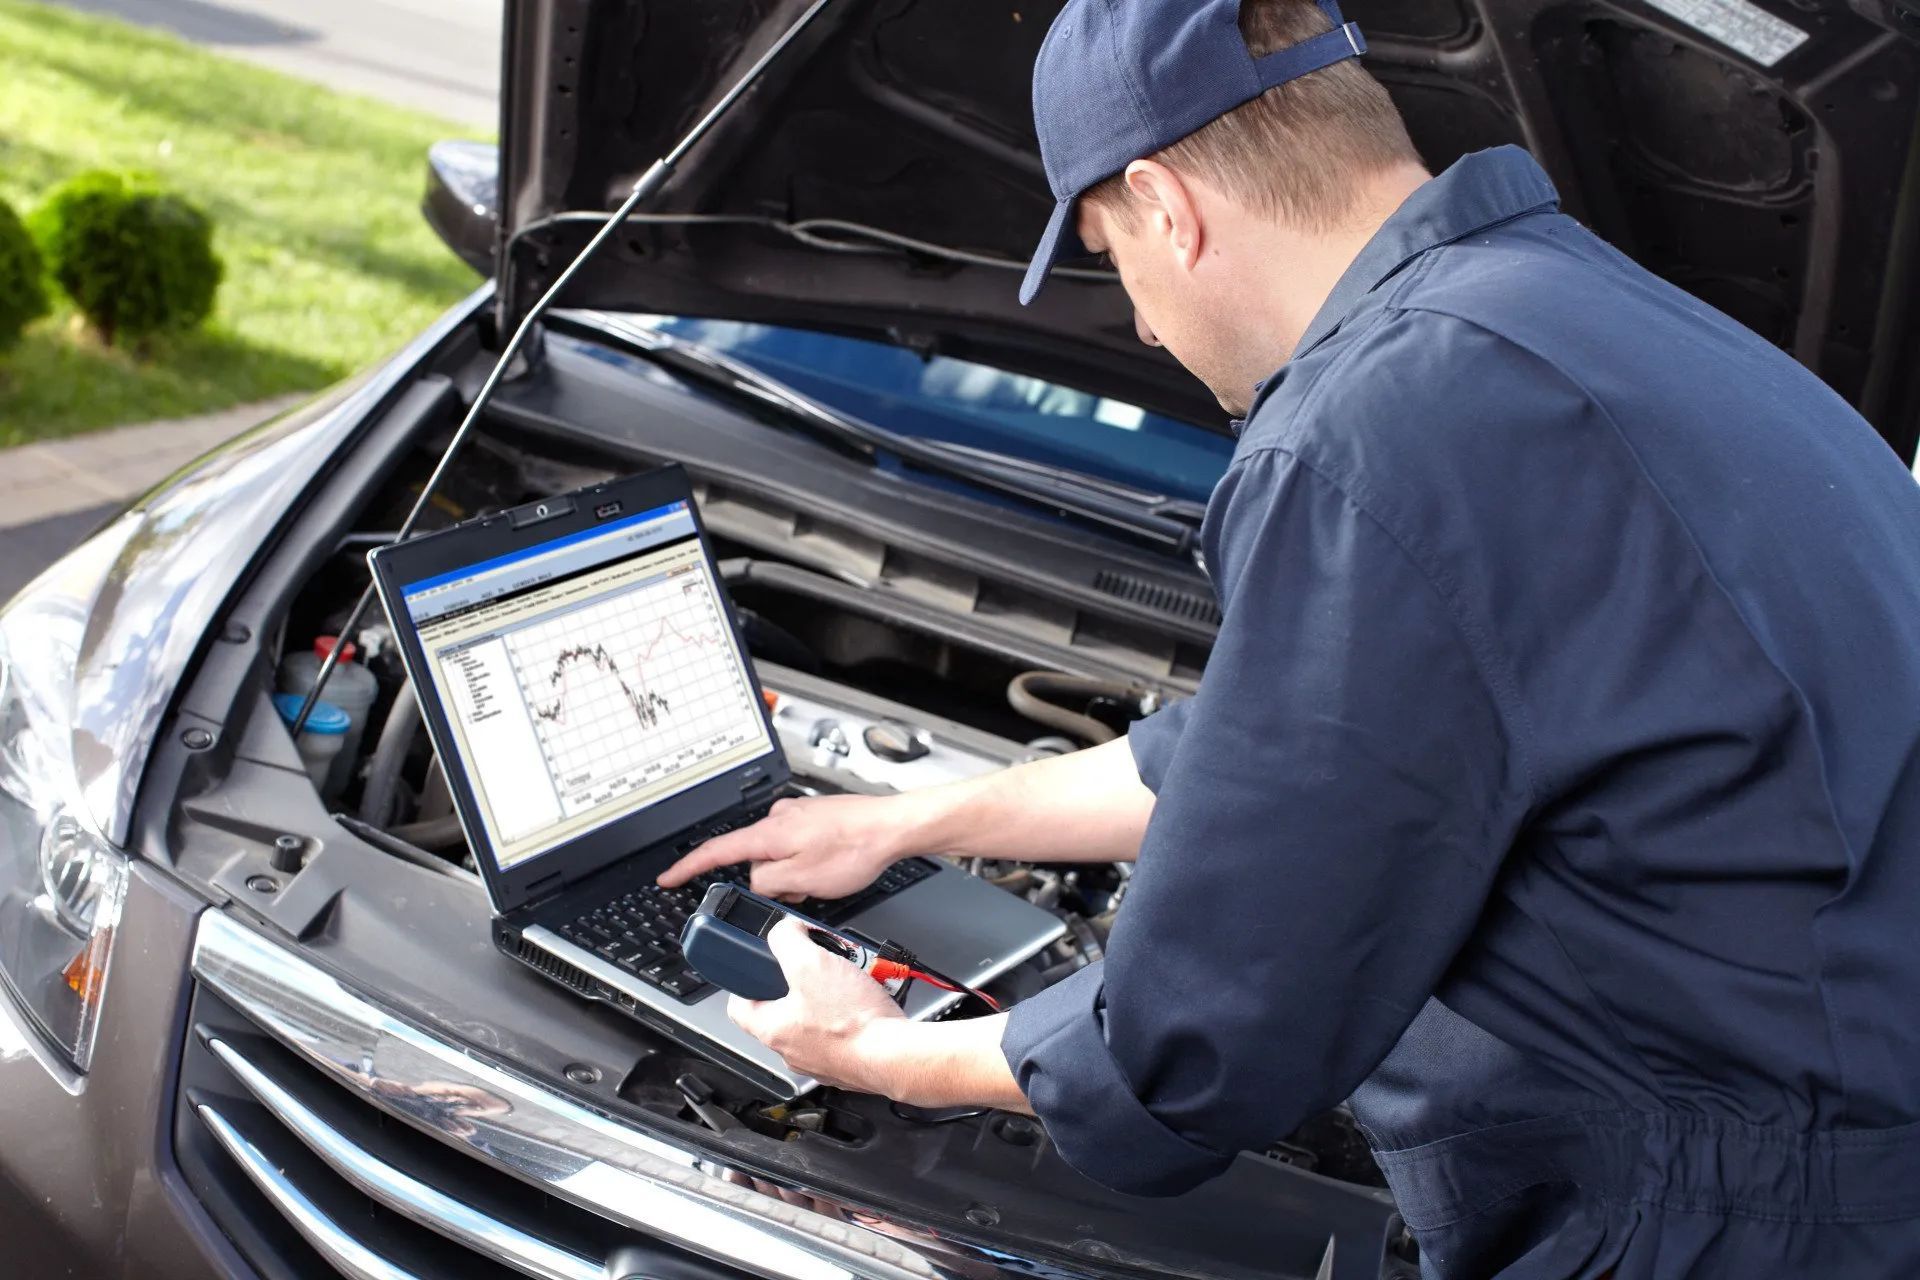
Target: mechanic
x=1553 y=789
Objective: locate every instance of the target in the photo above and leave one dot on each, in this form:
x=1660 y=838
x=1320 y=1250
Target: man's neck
x=1306 y=265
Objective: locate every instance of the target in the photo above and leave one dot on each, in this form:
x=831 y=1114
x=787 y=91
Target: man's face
x=1172 y=306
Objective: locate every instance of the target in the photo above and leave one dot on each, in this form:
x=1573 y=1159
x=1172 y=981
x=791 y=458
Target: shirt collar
x=1474 y=193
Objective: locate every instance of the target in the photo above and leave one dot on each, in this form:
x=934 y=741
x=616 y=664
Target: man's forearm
x=1089 y=806
x=940 y=1064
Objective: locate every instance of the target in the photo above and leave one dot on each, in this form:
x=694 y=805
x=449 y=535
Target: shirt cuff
x=1153 y=740
x=1056 y=1044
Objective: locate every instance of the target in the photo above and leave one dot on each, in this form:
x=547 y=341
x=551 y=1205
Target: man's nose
x=1145 y=330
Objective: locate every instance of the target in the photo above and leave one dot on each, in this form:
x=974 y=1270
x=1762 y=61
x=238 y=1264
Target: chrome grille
x=324 y=1135
x=304 y=1175
x=383 y=1183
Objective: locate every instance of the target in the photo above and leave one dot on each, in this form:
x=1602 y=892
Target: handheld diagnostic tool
x=725 y=940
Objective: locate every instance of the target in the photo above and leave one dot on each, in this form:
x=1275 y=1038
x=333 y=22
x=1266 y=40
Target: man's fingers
x=745 y=1013
x=775 y=879
x=721 y=851
x=792 y=947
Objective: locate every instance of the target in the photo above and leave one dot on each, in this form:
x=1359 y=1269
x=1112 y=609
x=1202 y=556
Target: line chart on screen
x=632 y=687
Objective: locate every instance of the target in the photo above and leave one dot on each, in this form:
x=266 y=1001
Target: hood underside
x=1785 y=194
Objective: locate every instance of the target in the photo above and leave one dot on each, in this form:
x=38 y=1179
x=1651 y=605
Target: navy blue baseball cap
x=1120 y=79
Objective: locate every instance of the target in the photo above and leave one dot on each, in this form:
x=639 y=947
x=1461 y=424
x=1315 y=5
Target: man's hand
x=820 y=846
x=819 y=1024
x=839 y=1026
x=1089 y=806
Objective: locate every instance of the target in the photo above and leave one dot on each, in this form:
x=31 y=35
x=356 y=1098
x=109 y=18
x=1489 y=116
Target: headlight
x=61 y=884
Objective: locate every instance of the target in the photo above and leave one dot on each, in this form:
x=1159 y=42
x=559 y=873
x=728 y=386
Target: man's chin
x=1235 y=401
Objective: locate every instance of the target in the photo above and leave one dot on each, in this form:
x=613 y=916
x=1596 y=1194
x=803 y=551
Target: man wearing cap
x=1553 y=790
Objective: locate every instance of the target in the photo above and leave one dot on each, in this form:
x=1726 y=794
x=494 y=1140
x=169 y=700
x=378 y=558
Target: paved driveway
x=441 y=56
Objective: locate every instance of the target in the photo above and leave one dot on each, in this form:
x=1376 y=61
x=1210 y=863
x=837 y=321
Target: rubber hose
x=389 y=754
x=434 y=833
x=1037 y=696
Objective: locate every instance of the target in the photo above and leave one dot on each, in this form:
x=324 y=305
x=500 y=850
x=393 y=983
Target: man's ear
x=1172 y=214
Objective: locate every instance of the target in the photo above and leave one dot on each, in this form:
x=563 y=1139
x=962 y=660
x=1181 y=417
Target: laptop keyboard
x=640 y=931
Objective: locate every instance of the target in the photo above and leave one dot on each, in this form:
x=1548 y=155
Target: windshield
x=957 y=401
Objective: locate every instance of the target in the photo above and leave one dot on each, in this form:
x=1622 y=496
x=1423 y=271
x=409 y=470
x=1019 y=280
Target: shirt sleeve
x=1153 y=739
x=1330 y=817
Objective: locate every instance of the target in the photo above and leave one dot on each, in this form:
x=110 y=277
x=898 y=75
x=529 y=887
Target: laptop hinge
x=758 y=792
x=546 y=886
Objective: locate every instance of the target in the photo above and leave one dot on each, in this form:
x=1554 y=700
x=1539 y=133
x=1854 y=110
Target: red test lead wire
x=884 y=970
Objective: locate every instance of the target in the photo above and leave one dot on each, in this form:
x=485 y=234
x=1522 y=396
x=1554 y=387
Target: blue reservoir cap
x=324 y=719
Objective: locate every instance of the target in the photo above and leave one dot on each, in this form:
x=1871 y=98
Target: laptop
x=596 y=715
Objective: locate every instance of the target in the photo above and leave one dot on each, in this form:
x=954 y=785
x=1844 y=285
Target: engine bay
x=905 y=676
x=826 y=674
x=864 y=699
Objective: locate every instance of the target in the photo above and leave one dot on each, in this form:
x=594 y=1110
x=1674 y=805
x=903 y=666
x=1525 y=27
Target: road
x=441 y=56
x=27 y=549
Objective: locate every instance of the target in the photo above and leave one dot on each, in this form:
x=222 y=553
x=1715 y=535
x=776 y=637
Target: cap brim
x=1060 y=240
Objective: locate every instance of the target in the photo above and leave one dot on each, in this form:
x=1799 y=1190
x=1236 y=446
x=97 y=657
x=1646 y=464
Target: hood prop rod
x=645 y=189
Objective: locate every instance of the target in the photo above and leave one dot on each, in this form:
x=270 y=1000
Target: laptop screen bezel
x=451 y=550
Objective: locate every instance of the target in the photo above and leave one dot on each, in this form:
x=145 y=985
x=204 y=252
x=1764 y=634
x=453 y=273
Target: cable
x=886 y=970
x=808 y=232
x=894 y=963
x=648 y=186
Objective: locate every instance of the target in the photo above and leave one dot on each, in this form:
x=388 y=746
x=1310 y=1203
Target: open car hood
x=1760 y=154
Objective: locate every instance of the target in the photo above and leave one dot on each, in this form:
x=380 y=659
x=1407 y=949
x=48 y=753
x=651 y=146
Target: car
x=253 y=1024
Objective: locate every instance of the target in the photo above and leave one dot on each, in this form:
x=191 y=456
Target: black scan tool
x=725 y=940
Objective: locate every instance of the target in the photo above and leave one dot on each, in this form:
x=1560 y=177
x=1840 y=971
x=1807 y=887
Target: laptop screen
x=587 y=677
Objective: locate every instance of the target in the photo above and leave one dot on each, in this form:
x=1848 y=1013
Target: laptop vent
x=557 y=969
x=1190 y=606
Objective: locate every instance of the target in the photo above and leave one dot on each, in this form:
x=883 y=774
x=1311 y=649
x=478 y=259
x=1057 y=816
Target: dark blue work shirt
x=1553 y=790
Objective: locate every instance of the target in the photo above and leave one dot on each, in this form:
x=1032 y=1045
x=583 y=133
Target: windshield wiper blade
x=1182 y=510
x=714 y=369
x=1170 y=523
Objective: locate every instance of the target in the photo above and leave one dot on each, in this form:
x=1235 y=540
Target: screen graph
x=632 y=688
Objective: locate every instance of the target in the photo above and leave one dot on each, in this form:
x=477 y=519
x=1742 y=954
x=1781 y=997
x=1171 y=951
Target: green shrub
x=23 y=289
x=135 y=259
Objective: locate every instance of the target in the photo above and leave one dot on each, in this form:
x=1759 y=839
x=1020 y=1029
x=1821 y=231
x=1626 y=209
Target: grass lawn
x=314 y=195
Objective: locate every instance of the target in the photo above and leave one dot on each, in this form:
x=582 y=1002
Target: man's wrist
x=926 y=821
x=944 y=1064
x=881 y=1055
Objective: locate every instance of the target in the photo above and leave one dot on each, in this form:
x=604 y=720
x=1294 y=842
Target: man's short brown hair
x=1293 y=151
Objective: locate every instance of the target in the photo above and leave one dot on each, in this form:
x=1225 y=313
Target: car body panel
x=86 y=1167
x=196 y=535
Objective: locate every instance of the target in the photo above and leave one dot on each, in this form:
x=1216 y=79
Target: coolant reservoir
x=351 y=687
x=322 y=738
